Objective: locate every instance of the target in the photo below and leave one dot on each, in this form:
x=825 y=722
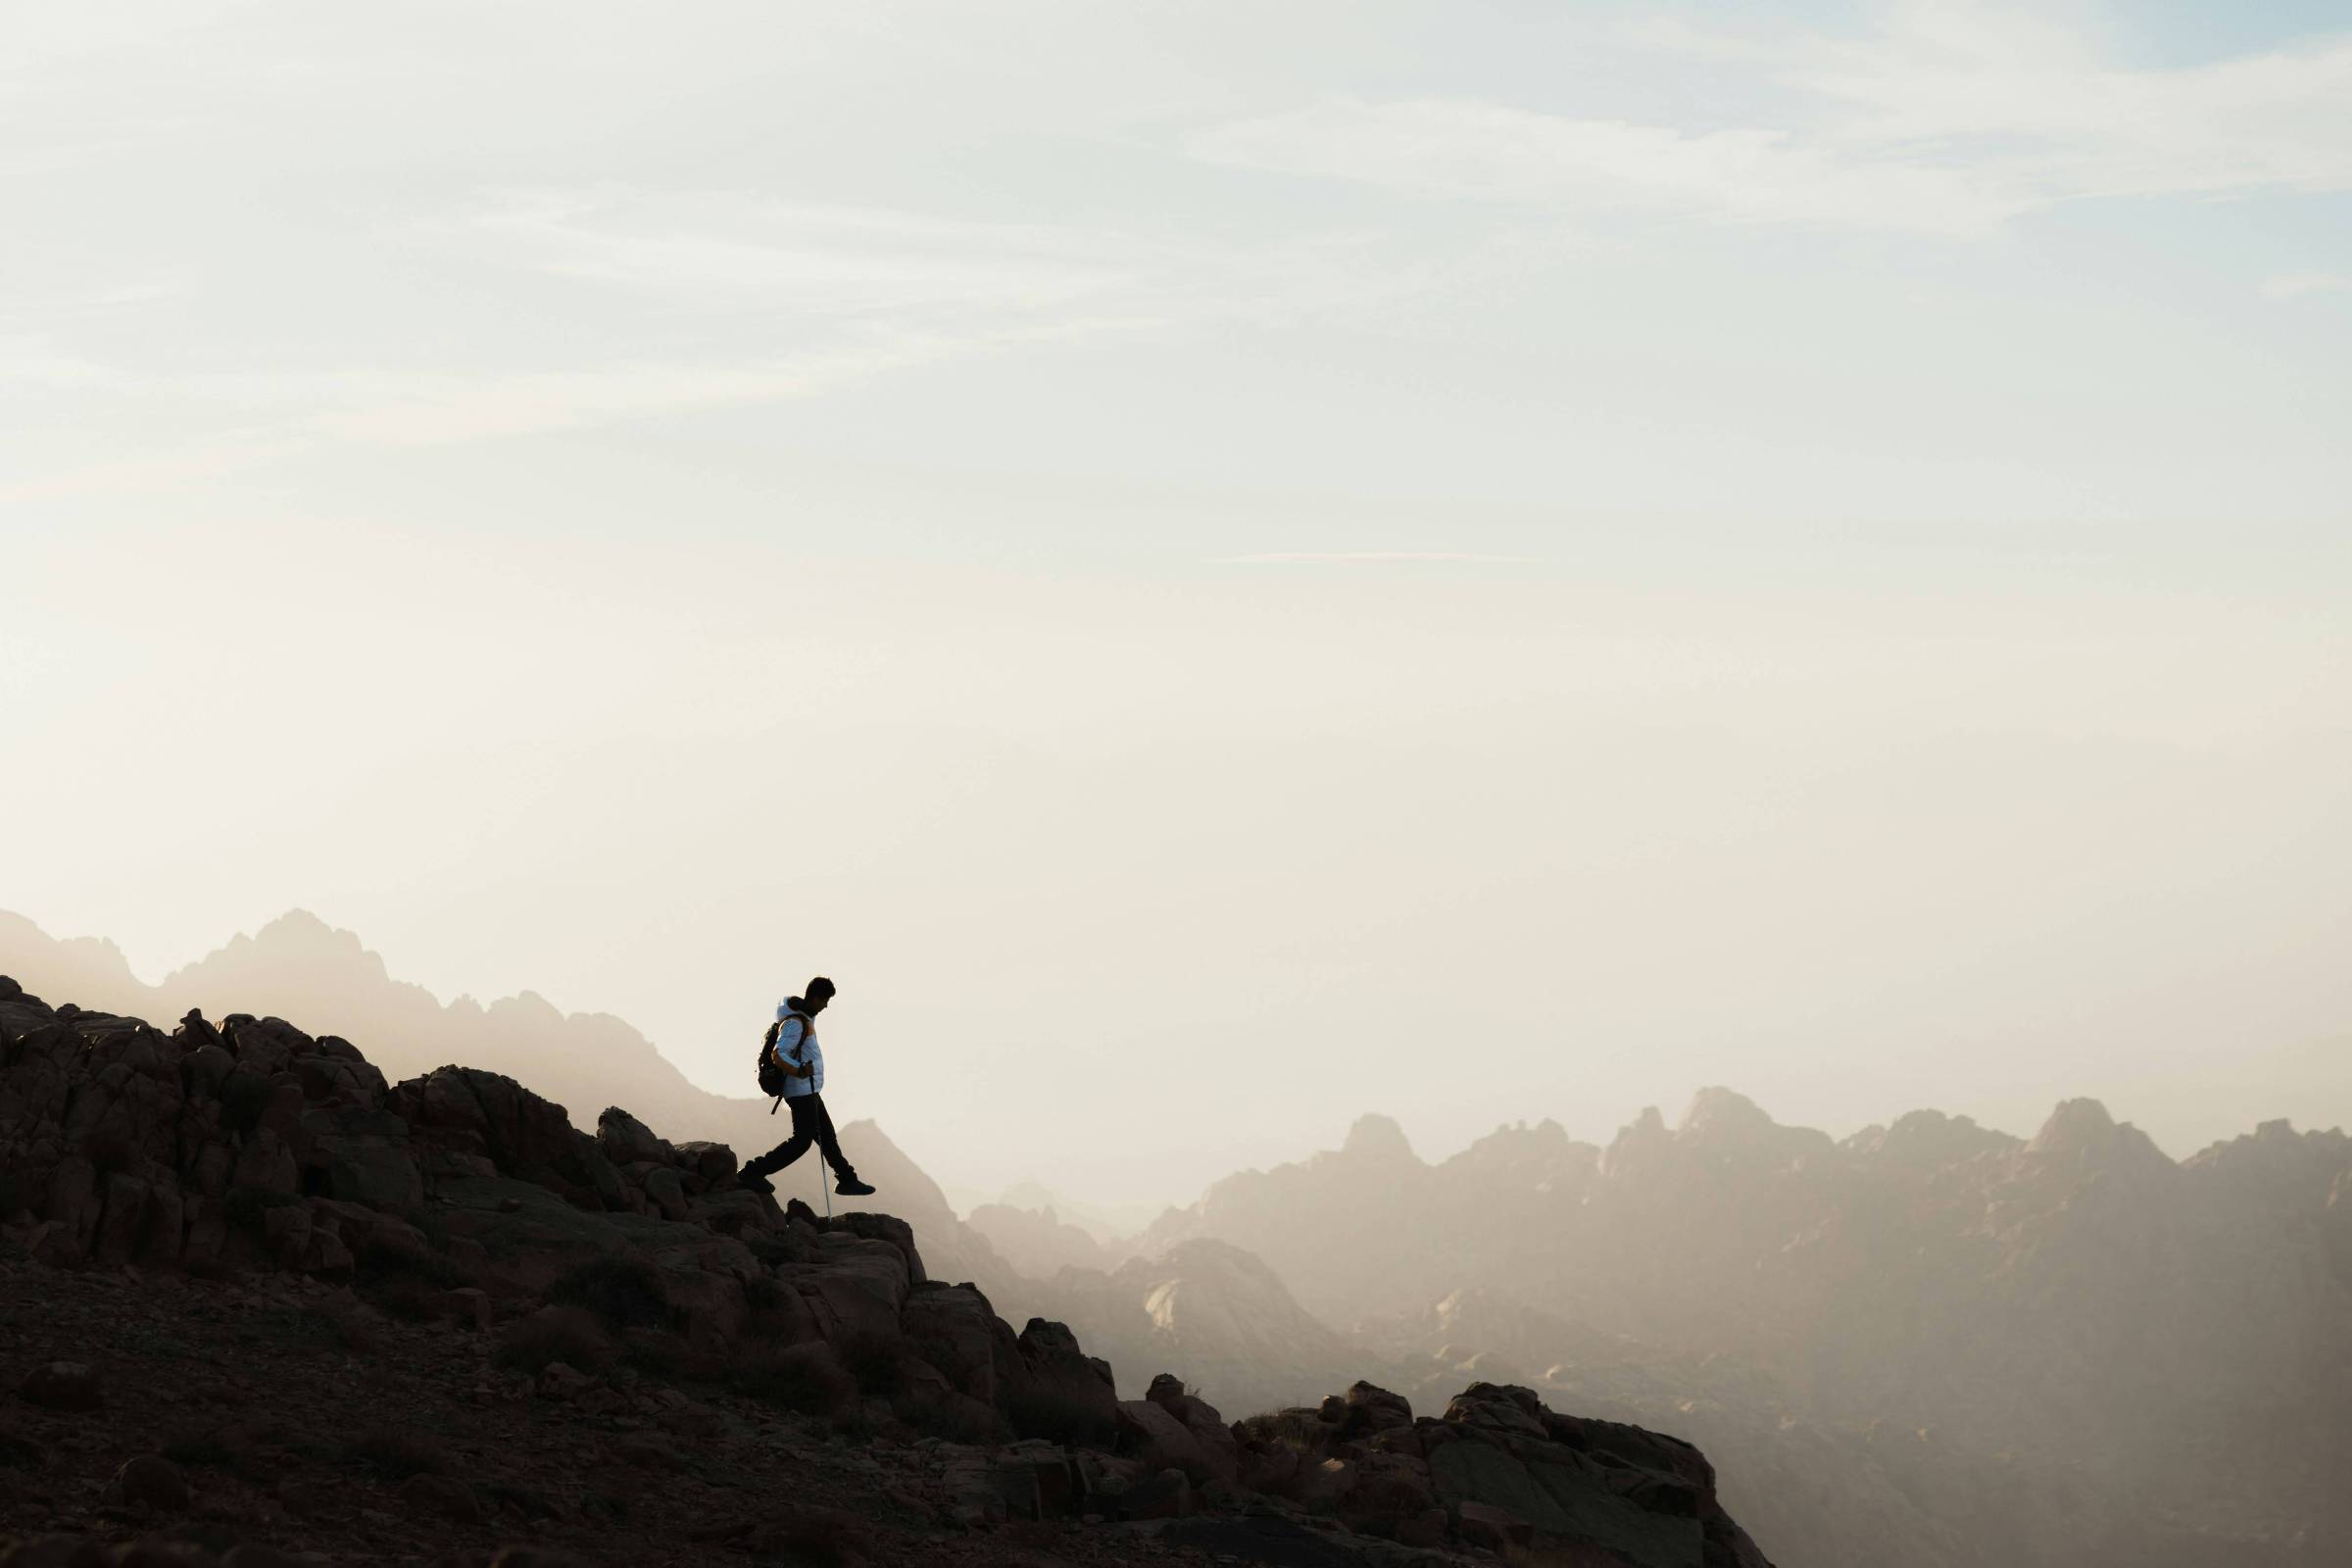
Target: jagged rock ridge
x=2147 y=1358
x=253 y=1147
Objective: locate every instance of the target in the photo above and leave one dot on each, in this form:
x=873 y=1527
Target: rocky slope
x=297 y=967
x=263 y=1301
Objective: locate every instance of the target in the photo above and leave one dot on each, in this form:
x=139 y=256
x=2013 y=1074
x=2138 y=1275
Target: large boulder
x=952 y=1327
x=626 y=1140
x=1504 y=1465
x=487 y=1114
x=1049 y=1387
x=1200 y=1422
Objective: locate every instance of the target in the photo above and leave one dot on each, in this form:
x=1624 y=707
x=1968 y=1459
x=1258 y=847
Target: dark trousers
x=811 y=1123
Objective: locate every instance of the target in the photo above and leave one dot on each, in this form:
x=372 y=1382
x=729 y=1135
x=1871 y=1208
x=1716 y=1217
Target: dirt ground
x=274 y=1419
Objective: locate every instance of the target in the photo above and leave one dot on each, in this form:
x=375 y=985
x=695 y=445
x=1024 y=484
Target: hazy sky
x=1218 y=566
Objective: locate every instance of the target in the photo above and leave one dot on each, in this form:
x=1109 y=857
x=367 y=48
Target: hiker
x=792 y=1051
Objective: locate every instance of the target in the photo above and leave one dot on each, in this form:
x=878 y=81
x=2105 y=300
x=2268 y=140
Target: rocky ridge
x=223 y=1232
x=2147 y=1361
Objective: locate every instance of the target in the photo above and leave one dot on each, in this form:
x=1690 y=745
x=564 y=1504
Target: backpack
x=772 y=1077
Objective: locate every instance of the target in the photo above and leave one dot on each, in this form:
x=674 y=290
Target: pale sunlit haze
x=1219 y=568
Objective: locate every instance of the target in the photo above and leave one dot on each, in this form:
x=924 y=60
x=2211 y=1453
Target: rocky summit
x=265 y=1306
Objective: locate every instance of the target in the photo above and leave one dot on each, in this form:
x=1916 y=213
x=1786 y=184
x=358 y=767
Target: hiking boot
x=755 y=1182
x=851 y=1187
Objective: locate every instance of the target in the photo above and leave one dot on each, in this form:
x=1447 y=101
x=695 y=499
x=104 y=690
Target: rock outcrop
x=603 y=1273
x=298 y=967
x=1507 y=1472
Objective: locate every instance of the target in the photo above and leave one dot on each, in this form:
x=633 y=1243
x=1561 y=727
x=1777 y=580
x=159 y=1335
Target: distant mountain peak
x=1716 y=1108
x=1377 y=1137
x=300 y=922
x=2074 y=1124
x=2081 y=1134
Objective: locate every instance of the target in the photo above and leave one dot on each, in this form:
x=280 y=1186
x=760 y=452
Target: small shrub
x=623 y=1292
x=1303 y=1430
x=567 y=1334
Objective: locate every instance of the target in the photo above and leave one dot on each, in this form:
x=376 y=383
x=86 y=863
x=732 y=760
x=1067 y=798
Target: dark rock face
x=1503 y=1473
x=299 y=967
x=462 y=1200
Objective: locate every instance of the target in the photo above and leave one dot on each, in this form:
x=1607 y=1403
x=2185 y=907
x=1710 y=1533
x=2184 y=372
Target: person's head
x=819 y=992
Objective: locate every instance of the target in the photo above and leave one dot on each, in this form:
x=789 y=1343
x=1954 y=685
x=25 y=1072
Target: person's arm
x=788 y=1040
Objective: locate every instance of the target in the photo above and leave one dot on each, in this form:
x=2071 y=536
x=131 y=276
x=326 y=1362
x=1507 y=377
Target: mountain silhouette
x=2057 y=1350
x=537 y=1319
x=2142 y=1357
x=298 y=967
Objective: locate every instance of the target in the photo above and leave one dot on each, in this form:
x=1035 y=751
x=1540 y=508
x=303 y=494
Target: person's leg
x=845 y=1178
x=804 y=1132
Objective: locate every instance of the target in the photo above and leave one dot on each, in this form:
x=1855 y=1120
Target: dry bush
x=1303 y=1430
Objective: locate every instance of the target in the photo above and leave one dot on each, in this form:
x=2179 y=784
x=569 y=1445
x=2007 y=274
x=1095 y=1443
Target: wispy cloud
x=2298 y=285
x=720 y=247
x=1951 y=119
x=1480 y=151
x=720 y=300
x=1370 y=558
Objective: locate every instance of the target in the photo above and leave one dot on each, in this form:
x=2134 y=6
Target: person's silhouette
x=802 y=1061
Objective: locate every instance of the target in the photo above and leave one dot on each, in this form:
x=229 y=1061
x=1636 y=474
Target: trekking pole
x=825 y=1178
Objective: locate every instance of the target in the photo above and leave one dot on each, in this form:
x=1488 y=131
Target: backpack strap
x=775 y=1045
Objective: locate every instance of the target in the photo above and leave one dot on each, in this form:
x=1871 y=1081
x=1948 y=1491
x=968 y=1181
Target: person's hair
x=819 y=986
